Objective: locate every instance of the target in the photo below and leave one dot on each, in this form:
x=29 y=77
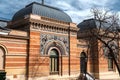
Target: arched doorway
x=83 y=62
x=54 y=61
x=2 y=58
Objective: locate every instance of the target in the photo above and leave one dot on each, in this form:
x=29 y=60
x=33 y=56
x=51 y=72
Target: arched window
x=54 y=61
x=2 y=58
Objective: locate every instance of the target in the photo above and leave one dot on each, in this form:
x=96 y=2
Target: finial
x=42 y=2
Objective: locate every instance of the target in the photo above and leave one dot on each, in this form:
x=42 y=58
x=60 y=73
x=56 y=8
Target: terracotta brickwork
x=27 y=52
x=97 y=64
x=43 y=48
x=41 y=63
x=15 y=54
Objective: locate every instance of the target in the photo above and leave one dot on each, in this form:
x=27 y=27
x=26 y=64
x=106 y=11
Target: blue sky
x=78 y=10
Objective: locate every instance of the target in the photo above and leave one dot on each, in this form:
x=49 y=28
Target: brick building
x=40 y=42
x=100 y=63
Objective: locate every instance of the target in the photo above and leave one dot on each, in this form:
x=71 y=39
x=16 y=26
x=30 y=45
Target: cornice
x=15 y=24
x=14 y=37
x=48 y=23
x=40 y=23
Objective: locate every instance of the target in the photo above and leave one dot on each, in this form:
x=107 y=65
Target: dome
x=42 y=10
x=87 y=24
x=94 y=24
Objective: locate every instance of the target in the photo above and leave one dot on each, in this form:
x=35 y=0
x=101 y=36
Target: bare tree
x=107 y=32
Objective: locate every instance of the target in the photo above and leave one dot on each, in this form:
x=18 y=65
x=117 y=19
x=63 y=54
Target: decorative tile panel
x=45 y=38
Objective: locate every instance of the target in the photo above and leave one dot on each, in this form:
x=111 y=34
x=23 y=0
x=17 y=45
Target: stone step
x=109 y=76
x=63 y=77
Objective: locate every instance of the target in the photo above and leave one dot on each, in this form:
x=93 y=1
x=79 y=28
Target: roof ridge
x=43 y=5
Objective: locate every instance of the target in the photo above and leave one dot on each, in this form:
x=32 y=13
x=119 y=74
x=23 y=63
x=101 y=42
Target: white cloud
x=64 y=5
x=78 y=16
x=77 y=9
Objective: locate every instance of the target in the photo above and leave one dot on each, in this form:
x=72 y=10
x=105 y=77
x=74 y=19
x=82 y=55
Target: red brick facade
x=27 y=51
